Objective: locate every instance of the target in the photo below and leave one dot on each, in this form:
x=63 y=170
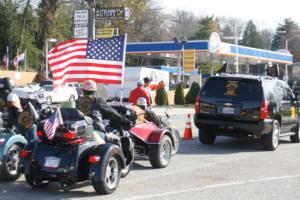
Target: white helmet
x=141 y=102
x=140 y=83
x=13 y=98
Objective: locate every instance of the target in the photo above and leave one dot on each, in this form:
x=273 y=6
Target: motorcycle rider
x=14 y=109
x=100 y=109
x=149 y=114
x=5 y=88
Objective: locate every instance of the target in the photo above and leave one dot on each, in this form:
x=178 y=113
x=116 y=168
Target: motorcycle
x=151 y=141
x=75 y=155
x=11 y=142
x=167 y=123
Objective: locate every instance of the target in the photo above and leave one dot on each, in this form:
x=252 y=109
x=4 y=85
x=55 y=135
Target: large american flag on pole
x=101 y=60
x=52 y=123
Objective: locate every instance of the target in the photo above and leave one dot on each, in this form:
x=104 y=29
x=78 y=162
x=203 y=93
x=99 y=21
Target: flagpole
x=25 y=60
x=123 y=68
x=7 y=58
x=17 y=60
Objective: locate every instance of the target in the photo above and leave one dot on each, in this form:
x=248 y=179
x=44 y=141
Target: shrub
x=161 y=97
x=190 y=97
x=179 y=95
x=39 y=77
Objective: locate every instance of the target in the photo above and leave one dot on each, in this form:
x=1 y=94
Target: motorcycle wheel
x=160 y=155
x=126 y=170
x=10 y=169
x=112 y=175
x=176 y=139
x=35 y=182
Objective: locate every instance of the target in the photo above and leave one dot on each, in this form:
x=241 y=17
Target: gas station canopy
x=212 y=51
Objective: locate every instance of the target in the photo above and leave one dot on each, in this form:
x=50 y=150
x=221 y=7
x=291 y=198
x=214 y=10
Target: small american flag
x=52 y=123
x=101 y=60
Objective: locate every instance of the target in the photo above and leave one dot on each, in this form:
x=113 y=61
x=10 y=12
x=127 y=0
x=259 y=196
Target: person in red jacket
x=138 y=92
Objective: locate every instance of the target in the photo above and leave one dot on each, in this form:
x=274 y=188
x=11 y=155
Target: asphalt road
x=231 y=169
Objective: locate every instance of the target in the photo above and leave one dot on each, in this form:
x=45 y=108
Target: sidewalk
x=174 y=111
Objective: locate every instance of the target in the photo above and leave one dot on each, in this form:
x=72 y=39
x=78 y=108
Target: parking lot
x=230 y=169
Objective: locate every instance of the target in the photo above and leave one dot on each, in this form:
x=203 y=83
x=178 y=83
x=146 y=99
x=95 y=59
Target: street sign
x=81 y=32
x=112 y=13
x=105 y=33
x=81 y=23
x=189 y=60
x=81 y=16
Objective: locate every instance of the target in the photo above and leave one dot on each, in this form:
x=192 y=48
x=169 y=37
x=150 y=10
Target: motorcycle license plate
x=52 y=162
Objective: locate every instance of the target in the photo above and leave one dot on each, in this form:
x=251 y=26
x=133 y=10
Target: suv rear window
x=233 y=88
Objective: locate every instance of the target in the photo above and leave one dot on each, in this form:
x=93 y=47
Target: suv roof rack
x=250 y=76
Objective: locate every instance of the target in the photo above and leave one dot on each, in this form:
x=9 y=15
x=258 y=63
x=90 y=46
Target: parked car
x=46 y=82
x=243 y=105
x=27 y=91
x=50 y=94
x=77 y=86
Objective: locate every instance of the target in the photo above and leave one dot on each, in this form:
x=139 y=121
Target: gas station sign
x=189 y=60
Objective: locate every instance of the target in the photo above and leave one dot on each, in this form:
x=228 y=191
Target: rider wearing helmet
x=6 y=85
x=14 y=118
x=149 y=114
x=97 y=108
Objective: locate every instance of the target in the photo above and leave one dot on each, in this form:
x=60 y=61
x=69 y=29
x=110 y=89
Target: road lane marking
x=267 y=179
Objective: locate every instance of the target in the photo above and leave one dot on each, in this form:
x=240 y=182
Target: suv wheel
x=296 y=138
x=271 y=140
x=206 y=136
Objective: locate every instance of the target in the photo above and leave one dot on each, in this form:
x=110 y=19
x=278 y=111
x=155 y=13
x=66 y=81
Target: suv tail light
x=264 y=110
x=198 y=105
x=70 y=135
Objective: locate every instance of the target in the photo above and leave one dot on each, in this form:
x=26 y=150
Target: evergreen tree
x=192 y=93
x=283 y=32
x=251 y=37
x=207 y=25
x=161 y=97
x=179 y=95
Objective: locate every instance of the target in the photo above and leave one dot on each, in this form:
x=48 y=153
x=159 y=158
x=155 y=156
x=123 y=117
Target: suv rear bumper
x=256 y=129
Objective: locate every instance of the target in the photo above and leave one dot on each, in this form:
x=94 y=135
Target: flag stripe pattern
x=51 y=124
x=77 y=60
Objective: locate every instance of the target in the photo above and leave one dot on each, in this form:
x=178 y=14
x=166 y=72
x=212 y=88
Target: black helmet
x=6 y=84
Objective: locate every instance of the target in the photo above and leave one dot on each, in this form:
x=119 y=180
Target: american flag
x=52 y=123
x=101 y=60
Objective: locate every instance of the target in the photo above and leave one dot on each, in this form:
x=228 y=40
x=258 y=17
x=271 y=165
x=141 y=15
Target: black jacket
x=100 y=109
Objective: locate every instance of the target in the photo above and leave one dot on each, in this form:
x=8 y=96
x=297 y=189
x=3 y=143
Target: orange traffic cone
x=188 y=129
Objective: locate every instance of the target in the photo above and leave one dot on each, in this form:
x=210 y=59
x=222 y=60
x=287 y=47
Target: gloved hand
x=111 y=137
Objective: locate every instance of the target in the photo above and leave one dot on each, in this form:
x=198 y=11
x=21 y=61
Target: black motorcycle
x=74 y=155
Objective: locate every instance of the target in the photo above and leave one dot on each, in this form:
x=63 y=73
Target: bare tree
x=182 y=23
x=230 y=26
x=267 y=36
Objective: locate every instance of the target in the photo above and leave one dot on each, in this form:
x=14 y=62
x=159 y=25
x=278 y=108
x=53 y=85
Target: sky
x=264 y=13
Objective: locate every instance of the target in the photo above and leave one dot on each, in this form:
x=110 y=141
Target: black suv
x=246 y=105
